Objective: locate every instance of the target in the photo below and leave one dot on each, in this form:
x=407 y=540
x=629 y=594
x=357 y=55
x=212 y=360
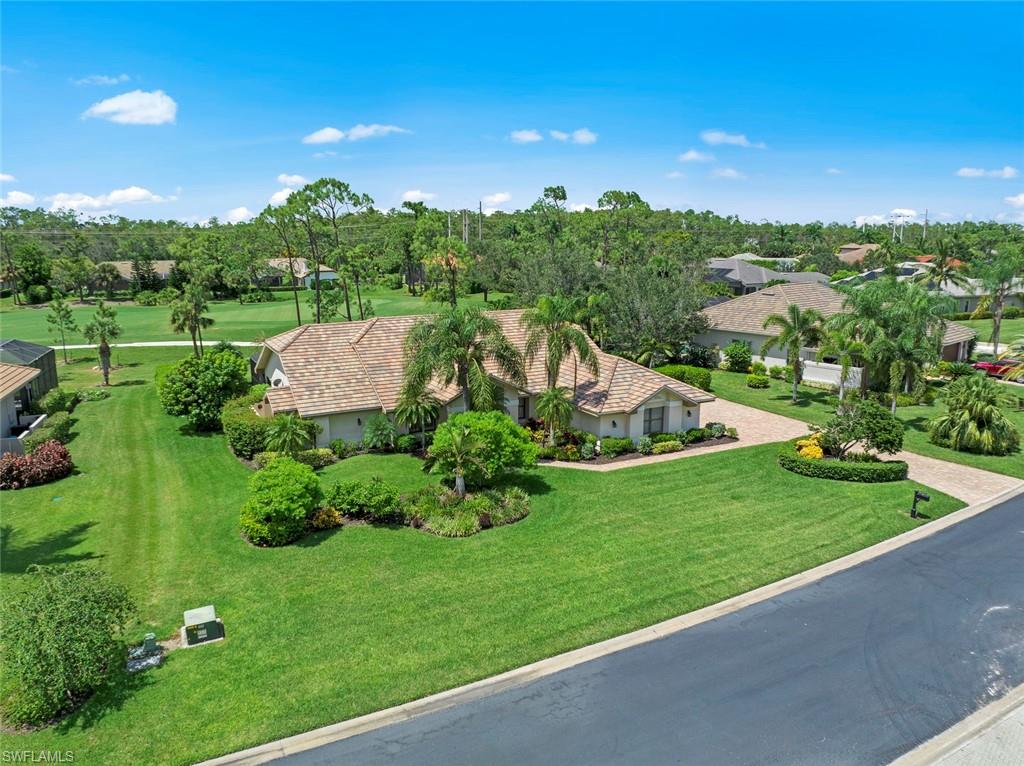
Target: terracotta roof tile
x=14 y=376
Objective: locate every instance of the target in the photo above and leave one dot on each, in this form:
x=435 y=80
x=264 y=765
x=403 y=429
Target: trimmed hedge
x=245 y=430
x=685 y=373
x=755 y=380
x=841 y=470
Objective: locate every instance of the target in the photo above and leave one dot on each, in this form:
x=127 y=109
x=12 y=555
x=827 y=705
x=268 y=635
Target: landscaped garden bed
x=575 y=446
x=863 y=468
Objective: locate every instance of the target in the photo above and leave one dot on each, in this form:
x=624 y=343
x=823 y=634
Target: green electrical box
x=202 y=626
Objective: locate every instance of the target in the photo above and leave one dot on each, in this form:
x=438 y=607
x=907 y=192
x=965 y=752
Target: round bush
x=374 y=499
x=757 y=381
x=503 y=445
x=282 y=497
x=199 y=387
x=698 y=377
x=245 y=430
x=870 y=472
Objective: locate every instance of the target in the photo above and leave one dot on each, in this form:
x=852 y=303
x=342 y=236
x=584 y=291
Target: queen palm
x=650 y=350
x=455 y=346
x=460 y=452
x=550 y=324
x=415 y=408
x=554 y=407
x=842 y=345
x=101 y=329
x=289 y=434
x=798 y=328
x=945 y=268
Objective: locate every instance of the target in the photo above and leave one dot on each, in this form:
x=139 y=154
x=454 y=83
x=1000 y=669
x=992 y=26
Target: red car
x=997 y=368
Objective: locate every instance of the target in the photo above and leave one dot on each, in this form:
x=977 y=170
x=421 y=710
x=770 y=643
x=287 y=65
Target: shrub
x=696 y=435
x=50 y=461
x=715 y=430
x=569 y=452
x=326 y=518
x=12 y=470
x=616 y=445
x=344 y=448
x=587 y=451
x=959 y=369
x=662 y=448
x=391 y=281
x=379 y=432
x=758 y=368
x=198 y=387
x=281 y=498
x=698 y=377
x=696 y=355
x=458 y=523
x=57 y=427
x=1012 y=312
x=514 y=505
x=811 y=451
x=841 y=470
x=975 y=420
x=57 y=400
x=245 y=430
x=864 y=422
x=36 y=294
x=146 y=298
x=757 y=381
x=373 y=500
x=777 y=372
x=732 y=433
x=503 y=445
x=407 y=443
x=659 y=438
x=167 y=296
x=63 y=639
x=92 y=394
x=318 y=457
x=737 y=356
x=645 y=446
x=547 y=453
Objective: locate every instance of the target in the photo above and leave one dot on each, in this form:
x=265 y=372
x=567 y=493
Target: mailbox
x=202 y=626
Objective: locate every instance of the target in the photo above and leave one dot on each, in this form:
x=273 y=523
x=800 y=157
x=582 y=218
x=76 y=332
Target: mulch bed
x=631 y=456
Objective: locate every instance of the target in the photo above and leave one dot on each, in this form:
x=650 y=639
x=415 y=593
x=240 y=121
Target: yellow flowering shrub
x=811 y=451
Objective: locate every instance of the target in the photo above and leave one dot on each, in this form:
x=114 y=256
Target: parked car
x=998 y=367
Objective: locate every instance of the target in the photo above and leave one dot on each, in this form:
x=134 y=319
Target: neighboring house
x=301 y=272
x=162 y=270
x=42 y=358
x=15 y=394
x=966 y=297
x=903 y=270
x=327 y=274
x=743 y=319
x=784 y=263
x=341 y=374
x=744 y=277
x=853 y=254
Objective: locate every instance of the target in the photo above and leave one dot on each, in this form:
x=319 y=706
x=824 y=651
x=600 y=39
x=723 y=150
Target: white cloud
x=1016 y=201
x=321 y=155
x=833 y=171
x=138 y=107
x=355 y=133
x=525 y=136
x=416 y=195
x=7 y=177
x=497 y=198
x=102 y=79
x=675 y=174
x=692 y=155
x=1007 y=171
x=870 y=220
x=238 y=214
x=127 y=196
x=727 y=173
x=903 y=212
x=579 y=207
x=719 y=137
x=292 y=180
x=559 y=135
x=584 y=136
x=279 y=197
x=16 y=199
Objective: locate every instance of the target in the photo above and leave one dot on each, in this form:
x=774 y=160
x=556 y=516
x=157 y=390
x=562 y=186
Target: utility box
x=202 y=626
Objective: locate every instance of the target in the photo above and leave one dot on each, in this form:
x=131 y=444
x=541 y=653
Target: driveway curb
x=958 y=735
x=527 y=673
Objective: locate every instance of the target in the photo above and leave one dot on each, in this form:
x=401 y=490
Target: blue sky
x=792 y=112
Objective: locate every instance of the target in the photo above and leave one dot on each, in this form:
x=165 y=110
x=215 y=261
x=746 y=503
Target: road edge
x=959 y=734
x=523 y=675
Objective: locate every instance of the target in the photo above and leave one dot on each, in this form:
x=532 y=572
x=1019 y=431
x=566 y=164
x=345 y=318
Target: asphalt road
x=855 y=669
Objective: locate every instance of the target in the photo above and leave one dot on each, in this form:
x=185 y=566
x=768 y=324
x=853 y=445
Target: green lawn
x=232 y=321
x=1010 y=329
x=361 y=618
x=814 y=407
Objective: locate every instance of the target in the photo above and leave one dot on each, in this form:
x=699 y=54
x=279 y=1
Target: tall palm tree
x=289 y=434
x=999 y=276
x=798 y=328
x=945 y=268
x=454 y=346
x=551 y=325
x=188 y=315
x=843 y=345
x=460 y=452
x=101 y=329
x=415 y=408
x=554 y=407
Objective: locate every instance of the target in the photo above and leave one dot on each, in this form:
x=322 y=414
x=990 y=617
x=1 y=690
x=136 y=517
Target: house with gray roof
x=744 y=277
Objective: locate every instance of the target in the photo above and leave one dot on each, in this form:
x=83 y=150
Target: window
x=524 y=407
x=654 y=420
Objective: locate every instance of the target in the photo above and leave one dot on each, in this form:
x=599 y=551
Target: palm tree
x=105 y=277
x=554 y=407
x=945 y=268
x=289 y=434
x=798 y=328
x=415 y=408
x=460 y=452
x=844 y=346
x=650 y=350
x=551 y=325
x=187 y=315
x=454 y=346
x=975 y=421
x=102 y=329
x=999 y=276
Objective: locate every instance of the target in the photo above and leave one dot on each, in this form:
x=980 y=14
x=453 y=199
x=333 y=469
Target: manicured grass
x=364 y=617
x=816 y=406
x=1008 y=331
x=232 y=321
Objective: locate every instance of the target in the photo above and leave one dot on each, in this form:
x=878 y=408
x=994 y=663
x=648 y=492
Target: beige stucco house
x=341 y=374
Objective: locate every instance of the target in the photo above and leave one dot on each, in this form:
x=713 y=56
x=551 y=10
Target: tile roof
x=348 y=366
x=853 y=253
x=748 y=312
x=161 y=267
x=14 y=376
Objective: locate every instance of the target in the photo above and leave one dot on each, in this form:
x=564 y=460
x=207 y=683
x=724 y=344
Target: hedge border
x=836 y=470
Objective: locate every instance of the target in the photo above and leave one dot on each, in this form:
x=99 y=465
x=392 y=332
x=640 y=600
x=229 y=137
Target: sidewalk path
x=1002 y=745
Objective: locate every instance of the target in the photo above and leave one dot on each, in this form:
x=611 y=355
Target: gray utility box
x=202 y=626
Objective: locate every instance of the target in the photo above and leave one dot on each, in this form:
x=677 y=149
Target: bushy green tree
x=61 y=322
x=501 y=445
x=63 y=639
x=198 y=387
x=282 y=496
x=863 y=423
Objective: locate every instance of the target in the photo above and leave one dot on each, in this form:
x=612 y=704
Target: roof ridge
x=366 y=372
x=301 y=329
x=366 y=329
x=611 y=377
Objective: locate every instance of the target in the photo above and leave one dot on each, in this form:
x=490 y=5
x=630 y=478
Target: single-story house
x=744 y=277
x=161 y=268
x=853 y=254
x=341 y=374
x=743 y=319
x=15 y=394
x=970 y=294
x=42 y=358
x=302 y=274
